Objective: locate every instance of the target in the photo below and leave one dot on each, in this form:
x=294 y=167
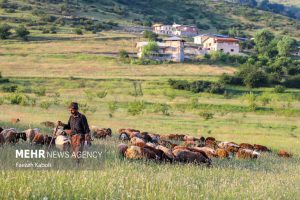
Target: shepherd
x=79 y=130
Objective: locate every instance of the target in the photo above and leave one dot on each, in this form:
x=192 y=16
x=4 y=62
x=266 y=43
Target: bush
x=144 y=62
x=3 y=80
x=136 y=107
x=231 y=80
x=45 y=30
x=197 y=86
x=206 y=115
x=38 y=12
x=252 y=76
x=150 y=35
x=41 y=91
x=4 y=31
x=292 y=82
x=279 y=89
x=219 y=56
x=123 y=54
x=53 y=29
x=179 y=84
x=45 y=104
x=255 y=79
x=216 y=88
x=163 y=108
x=22 y=32
x=78 y=31
x=150 y=49
x=20 y=99
x=9 y=88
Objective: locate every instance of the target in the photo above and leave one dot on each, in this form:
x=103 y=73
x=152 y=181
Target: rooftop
x=174 y=38
x=226 y=40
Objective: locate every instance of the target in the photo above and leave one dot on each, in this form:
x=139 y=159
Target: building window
x=222 y=49
x=232 y=50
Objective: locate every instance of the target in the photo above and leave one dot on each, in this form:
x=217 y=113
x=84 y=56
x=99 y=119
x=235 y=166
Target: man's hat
x=74 y=105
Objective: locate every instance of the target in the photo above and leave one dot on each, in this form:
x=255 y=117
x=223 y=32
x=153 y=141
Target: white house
x=226 y=45
x=171 y=49
x=218 y=43
x=199 y=39
x=184 y=30
x=175 y=30
x=162 y=29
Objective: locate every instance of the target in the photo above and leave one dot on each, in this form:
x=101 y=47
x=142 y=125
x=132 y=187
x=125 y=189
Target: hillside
x=95 y=16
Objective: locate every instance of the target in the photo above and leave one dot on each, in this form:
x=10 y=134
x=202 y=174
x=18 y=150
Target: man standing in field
x=79 y=130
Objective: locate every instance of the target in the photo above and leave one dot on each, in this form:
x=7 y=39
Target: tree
x=150 y=48
x=262 y=40
x=4 y=31
x=286 y=45
x=78 y=31
x=123 y=54
x=22 y=32
x=150 y=35
x=252 y=76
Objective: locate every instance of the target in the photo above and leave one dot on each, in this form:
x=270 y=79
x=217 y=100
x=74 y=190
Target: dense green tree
x=286 y=45
x=150 y=48
x=22 y=32
x=150 y=35
x=263 y=40
x=4 y=31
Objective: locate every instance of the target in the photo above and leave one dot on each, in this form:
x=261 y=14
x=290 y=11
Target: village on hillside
x=175 y=48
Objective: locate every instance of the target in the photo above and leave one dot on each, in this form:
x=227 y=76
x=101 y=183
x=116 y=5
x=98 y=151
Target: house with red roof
x=218 y=43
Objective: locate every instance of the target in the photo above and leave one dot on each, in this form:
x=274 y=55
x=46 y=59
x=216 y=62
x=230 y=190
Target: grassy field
x=76 y=68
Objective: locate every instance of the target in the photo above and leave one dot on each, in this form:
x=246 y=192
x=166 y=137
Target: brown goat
x=135 y=141
x=101 y=133
x=12 y=136
x=222 y=153
x=262 y=148
x=178 y=137
x=283 y=153
x=14 y=120
x=207 y=150
x=189 y=143
x=246 y=146
x=187 y=156
x=211 y=143
x=38 y=139
x=49 y=140
x=247 y=154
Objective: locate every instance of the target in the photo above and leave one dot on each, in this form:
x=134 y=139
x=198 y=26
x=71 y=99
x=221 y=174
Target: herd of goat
x=149 y=146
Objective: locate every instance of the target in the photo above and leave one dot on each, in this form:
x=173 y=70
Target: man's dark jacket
x=78 y=124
